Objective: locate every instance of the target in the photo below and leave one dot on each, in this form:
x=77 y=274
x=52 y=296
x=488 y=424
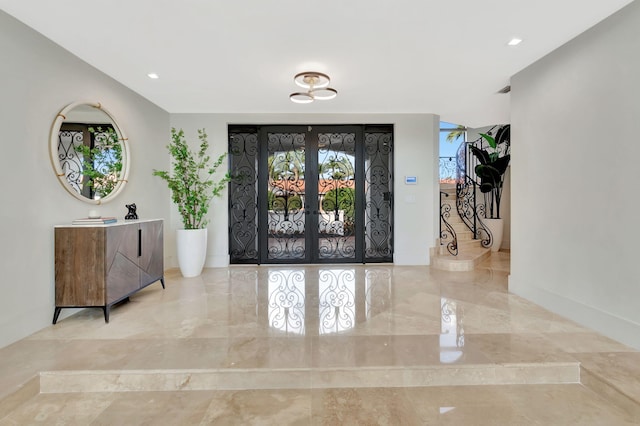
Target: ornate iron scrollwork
x=470 y=211
x=378 y=147
x=353 y=209
x=447 y=236
x=70 y=159
x=448 y=170
x=337 y=301
x=337 y=195
x=287 y=300
x=286 y=196
x=243 y=196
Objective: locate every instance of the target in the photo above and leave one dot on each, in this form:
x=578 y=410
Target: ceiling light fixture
x=153 y=75
x=514 y=41
x=317 y=85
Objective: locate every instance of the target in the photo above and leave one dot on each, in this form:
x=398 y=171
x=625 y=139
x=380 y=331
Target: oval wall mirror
x=89 y=152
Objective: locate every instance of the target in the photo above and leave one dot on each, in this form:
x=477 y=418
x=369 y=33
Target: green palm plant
x=456 y=133
x=191 y=181
x=493 y=165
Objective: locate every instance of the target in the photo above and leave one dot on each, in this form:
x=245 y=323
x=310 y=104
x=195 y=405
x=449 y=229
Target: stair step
x=464 y=246
x=470 y=250
x=436 y=374
x=464 y=235
x=448 y=187
x=470 y=243
x=466 y=260
x=459 y=226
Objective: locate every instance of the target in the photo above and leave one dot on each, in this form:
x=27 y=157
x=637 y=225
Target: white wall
x=37 y=79
x=575 y=229
x=415 y=153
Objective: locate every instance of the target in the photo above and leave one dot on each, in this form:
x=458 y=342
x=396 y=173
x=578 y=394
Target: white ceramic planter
x=192 y=251
x=496 y=227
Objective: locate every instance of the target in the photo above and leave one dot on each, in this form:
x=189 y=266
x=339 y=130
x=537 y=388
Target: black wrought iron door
x=337 y=203
x=283 y=192
x=321 y=194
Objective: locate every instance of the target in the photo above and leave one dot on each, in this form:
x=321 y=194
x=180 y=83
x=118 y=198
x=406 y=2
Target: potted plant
x=493 y=163
x=192 y=188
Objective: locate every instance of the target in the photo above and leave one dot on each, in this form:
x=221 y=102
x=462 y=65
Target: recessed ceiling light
x=153 y=75
x=514 y=41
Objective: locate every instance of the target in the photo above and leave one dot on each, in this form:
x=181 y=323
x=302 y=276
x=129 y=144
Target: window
x=451 y=136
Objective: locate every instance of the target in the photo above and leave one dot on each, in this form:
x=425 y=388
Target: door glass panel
x=286 y=196
x=336 y=196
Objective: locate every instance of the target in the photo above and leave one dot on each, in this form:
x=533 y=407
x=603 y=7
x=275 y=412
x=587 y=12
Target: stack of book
x=94 y=220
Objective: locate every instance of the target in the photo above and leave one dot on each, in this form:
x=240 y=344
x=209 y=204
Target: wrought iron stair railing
x=447 y=235
x=448 y=169
x=471 y=211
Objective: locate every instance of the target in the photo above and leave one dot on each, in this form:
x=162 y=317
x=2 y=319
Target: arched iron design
x=337 y=195
x=378 y=238
x=448 y=235
x=70 y=159
x=337 y=300
x=287 y=300
x=243 y=196
x=286 y=196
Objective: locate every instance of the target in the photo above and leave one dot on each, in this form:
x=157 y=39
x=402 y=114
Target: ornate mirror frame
x=55 y=158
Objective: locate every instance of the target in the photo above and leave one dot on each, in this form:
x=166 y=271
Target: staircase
x=470 y=252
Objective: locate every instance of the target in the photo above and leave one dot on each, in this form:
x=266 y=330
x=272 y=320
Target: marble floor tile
x=467 y=405
x=321 y=344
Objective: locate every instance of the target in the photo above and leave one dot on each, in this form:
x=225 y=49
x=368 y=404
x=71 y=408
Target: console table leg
x=162 y=281
x=106 y=313
x=56 y=314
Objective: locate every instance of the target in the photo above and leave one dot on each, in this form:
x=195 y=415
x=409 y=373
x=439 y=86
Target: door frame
x=249 y=199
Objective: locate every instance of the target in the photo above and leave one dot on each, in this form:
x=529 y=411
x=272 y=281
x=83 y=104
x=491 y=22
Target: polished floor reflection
x=322 y=344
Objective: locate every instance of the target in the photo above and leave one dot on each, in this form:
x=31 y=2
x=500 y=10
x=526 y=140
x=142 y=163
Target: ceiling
x=238 y=56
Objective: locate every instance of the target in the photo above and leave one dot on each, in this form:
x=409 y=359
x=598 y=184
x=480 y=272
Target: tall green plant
x=493 y=165
x=191 y=183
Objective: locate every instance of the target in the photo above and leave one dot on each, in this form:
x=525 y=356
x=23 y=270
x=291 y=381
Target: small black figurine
x=132 y=211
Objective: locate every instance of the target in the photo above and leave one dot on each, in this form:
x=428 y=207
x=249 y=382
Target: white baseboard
x=605 y=323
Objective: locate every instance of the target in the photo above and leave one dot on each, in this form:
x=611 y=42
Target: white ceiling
x=447 y=57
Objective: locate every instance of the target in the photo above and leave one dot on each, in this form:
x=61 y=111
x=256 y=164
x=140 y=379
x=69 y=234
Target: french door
x=310 y=194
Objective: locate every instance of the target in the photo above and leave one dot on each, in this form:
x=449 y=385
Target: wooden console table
x=100 y=265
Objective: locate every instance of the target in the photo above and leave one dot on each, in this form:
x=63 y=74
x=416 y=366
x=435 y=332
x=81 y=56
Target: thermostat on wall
x=411 y=180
